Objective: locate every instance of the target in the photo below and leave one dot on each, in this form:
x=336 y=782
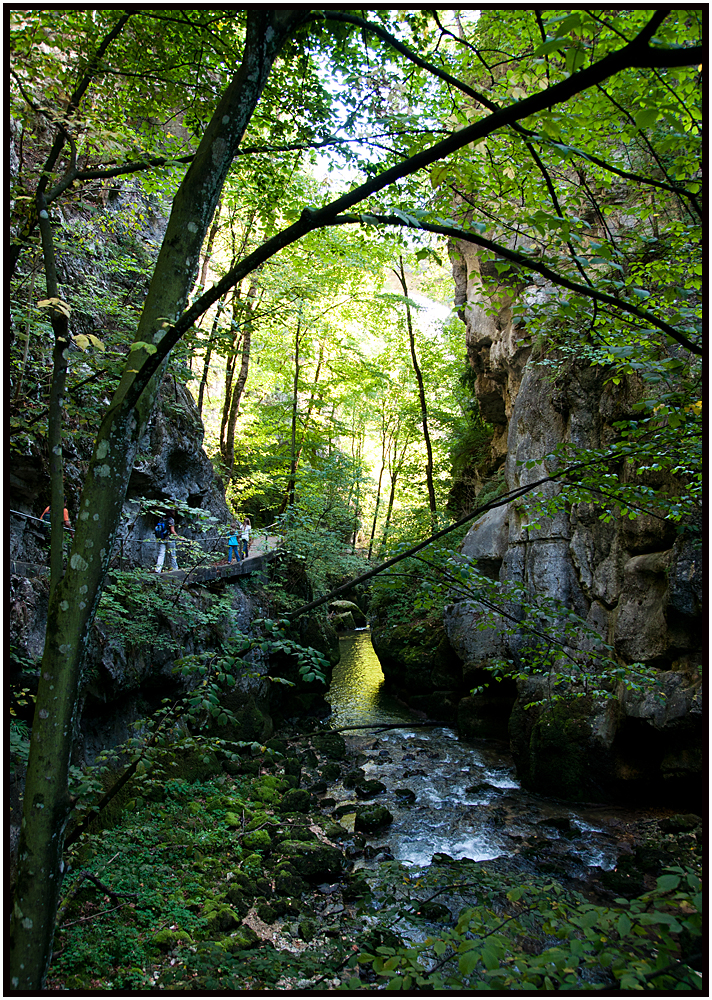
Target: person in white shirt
x=245 y=537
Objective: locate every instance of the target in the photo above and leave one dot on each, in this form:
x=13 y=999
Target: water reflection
x=357 y=694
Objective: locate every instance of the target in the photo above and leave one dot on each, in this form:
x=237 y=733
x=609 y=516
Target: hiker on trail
x=245 y=537
x=67 y=522
x=164 y=531
x=234 y=544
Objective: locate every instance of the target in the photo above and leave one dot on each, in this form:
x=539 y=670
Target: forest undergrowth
x=233 y=877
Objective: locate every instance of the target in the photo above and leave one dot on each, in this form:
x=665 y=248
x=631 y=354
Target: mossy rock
x=330 y=772
x=219 y=916
x=276 y=744
x=372 y=818
x=232 y=819
x=353 y=778
x=680 y=823
x=369 y=789
x=263 y=793
x=296 y=800
x=307 y=929
x=309 y=758
x=412 y=654
x=331 y=744
x=258 y=840
x=244 y=883
x=288 y=884
x=556 y=752
x=293 y=768
x=168 y=939
x=296 y=831
x=272 y=781
x=340 y=608
x=241 y=940
x=265 y=911
x=239 y=900
x=335 y=831
x=252 y=863
x=344 y=809
x=258 y=818
x=344 y=622
x=312 y=860
x=406 y=796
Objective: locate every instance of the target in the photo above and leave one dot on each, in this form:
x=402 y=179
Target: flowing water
x=468 y=801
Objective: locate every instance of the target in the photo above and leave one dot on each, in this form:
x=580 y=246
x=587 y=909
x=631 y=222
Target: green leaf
x=489 y=958
x=143 y=345
x=468 y=962
x=645 y=118
x=551 y=45
x=666 y=883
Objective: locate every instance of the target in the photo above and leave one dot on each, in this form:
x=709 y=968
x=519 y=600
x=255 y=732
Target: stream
x=468 y=801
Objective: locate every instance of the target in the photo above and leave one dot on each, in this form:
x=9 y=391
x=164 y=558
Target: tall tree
x=432 y=502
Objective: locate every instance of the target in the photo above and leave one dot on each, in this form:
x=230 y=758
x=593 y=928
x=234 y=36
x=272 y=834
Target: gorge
x=464 y=424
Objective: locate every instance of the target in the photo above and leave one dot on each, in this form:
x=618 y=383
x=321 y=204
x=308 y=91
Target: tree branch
x=517 y=258
x=630 y=56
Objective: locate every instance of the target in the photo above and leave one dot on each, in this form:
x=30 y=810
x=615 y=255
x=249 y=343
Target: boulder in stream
x=368 y=789
x=371 y=819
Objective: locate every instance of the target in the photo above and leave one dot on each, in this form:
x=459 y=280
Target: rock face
x=121 y=679
x=637 y=583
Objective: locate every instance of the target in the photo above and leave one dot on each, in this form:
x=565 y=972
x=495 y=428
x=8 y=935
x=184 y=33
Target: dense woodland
x=266 y=207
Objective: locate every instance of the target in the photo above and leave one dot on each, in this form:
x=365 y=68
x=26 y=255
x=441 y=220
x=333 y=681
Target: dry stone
x=634 y=581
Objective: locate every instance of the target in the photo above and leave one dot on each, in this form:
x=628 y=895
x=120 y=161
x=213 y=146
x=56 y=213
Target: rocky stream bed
x=278 y=868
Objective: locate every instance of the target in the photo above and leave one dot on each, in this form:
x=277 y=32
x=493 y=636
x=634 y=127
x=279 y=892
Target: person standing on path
x=245 y=539
x=67 y=522
x=164 y=531
x=234 y=545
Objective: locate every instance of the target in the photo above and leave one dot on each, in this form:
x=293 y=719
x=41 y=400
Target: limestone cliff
x=636 y=582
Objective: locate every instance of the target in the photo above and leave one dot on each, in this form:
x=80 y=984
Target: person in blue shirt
x=234 y=545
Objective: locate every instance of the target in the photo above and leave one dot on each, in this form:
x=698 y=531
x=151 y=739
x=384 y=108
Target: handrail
x=31 y=517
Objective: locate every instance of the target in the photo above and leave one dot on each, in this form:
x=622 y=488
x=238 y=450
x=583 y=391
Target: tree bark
x=75 y=598
x=295 y=458
x=250 y=307
x=208 y=356
x=423 y=403
x=394 y=471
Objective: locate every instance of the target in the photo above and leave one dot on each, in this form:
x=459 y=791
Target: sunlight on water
x=468 y=803
x=356 y=693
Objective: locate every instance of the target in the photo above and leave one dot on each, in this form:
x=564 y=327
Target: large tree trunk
x=75 y=598
x=423 y=404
